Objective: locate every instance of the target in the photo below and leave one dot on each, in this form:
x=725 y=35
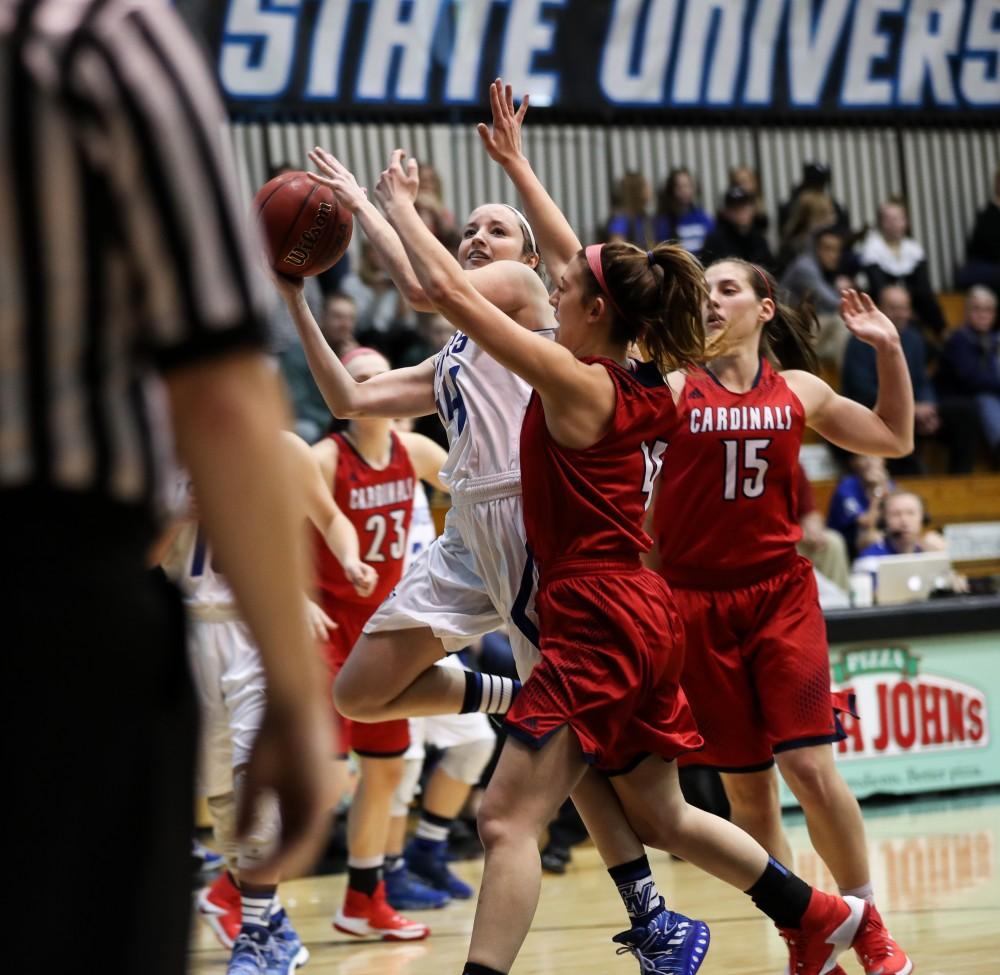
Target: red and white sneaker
x=373 y=917
x=829 y=927
x=877 y=951
x=221 y=909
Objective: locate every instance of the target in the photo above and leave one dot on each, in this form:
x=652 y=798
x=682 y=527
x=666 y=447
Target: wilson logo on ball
x=299 y=254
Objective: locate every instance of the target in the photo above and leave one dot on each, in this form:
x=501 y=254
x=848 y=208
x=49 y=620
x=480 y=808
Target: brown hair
x=789 y=337
x=657 y=298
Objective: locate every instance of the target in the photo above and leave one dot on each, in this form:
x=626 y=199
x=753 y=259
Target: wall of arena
x=945 y=173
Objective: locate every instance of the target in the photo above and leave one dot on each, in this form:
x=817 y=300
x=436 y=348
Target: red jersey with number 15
x=590 y=504
x=726 y=513
x=379 y=504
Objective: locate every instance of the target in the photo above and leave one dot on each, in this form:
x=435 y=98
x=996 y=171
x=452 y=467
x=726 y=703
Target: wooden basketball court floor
x=936 y=869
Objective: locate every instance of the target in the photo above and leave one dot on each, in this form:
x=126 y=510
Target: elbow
x=416 y=297
x=904 y=445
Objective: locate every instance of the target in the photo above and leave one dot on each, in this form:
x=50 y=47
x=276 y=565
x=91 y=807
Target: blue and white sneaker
x=406 y=892
x=671 y=943
x=429 y=861
x=250 y=957
x=288 y=952
x=208 y=860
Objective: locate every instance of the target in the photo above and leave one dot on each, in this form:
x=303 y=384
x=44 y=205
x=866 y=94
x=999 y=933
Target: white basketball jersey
x=422 y=530
x=188 y=563
x=482 y=405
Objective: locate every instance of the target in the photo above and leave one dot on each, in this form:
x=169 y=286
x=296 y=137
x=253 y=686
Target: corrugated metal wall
x=946 y=173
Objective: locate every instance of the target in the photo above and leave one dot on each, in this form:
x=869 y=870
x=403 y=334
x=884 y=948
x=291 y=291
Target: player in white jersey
x=229 y=677
x=478 y=574
x=467 y=742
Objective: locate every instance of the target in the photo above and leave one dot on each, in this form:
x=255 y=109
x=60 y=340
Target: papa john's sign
x=904 y=710
x=925 y=707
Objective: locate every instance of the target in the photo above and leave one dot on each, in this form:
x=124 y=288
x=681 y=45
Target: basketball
x=305 y=231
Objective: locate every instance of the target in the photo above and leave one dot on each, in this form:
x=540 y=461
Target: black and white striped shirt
x=123 y=243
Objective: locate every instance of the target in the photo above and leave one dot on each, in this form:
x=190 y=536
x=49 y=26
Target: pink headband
x=593 y=255
x=360 y=350
x=763 y=277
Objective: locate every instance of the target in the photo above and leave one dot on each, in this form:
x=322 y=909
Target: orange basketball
x=305 y=231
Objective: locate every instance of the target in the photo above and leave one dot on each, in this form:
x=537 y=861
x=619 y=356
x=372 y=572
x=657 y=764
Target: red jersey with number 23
x=726 y=513
x=379 y=503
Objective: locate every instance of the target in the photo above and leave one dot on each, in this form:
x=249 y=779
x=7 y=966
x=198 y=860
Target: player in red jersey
x=606 y=690
x=757 y=669
x=373 y=471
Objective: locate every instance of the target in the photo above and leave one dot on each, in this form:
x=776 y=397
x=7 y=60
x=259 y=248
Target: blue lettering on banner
x=923 y=60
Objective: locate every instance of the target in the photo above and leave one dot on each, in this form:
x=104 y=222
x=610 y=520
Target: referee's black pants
x=100 y=729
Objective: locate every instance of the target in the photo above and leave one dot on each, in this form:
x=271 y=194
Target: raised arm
x=557 y=241
x=568 y=387
x=494 y=282
x=398 y=393
x=886 y=430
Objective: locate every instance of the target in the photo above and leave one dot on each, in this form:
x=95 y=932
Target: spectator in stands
x=970 y=364
x=955 y=422
x=817 y=276
x=824 y=547
x=382 y=311
x=856 y=503
x=905 y=529
x=746 y=178
x=888 y=255
x=630 y=219
x=433 y=331
x=678 y=216
x=337 y=322
x=982 y=264
x=816 y=179
x=735 y=235
x=431 y=207
x=811 y=211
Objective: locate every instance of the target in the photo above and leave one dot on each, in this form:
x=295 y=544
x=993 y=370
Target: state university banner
x=923 y=61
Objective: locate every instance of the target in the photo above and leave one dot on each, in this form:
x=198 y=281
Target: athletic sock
x=864 y=892
x=471 y=968
x=638 y=892
x=364 y=873
x=781 y=895
x=432 y=831
x=488 y=693
x=255 y=902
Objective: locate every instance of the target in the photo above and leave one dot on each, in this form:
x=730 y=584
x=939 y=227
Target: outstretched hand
x=398 y=184
x=863 y=319
x=334 y=174
x=503 y=140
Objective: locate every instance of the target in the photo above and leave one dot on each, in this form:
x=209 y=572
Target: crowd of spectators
x=814 y=247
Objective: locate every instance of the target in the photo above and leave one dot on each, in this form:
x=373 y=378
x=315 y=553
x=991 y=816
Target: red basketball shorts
x=381 y=739
x=757 y=670
x=611 y=647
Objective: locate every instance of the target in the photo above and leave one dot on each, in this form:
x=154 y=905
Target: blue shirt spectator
x=850 y=510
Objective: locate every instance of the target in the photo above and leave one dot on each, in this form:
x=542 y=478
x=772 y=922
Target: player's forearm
x=390 y=248
x=341 y=539
x=228 y=417
x=557 y=242
x=338 y=388
x=894 y=406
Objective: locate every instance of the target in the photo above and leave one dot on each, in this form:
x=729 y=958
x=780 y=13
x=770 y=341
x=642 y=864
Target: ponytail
x=656 y=298
x=789 y=337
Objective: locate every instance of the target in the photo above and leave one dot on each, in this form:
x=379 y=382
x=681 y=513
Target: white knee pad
x=262 y=836
x=222 y=809
x=407 y=787
x=466 y=762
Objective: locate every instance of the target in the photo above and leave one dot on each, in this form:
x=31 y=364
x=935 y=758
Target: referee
x=127 y=303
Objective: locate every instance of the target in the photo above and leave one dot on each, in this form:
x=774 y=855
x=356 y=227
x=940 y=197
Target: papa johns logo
x=904 y=711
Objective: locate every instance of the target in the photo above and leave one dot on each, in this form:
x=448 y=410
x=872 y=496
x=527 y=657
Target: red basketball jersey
x=726 y=513
x=590 y=504
x=379 y=504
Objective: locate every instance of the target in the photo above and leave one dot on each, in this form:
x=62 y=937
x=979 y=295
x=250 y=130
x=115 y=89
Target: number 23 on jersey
x=381 y=545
